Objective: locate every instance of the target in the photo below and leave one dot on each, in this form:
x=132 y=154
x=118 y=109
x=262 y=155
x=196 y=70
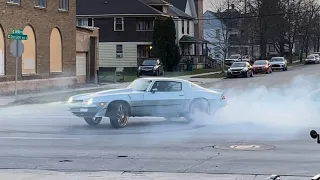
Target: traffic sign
x=17 y=34
x=16 y=48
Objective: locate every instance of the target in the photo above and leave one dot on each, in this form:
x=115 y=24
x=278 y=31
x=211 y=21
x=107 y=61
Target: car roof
x=165 y=79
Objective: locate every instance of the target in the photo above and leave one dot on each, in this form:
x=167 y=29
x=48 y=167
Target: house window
x=64 y=5
x=145 y=25
x=218 y=34
x=182 y=27
x=143 y=51
x=14 y=1
x=85 y=22
x=119 y=51
x=118 y=24
x=188 y=27
x=41 y=3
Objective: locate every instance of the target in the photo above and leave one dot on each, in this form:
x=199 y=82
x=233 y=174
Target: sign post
x=17 y=49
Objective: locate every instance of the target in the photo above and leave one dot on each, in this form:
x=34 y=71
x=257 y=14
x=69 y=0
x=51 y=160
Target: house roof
x=190 y=39
x=180 y=4
x=173 y=11
x=155 y=2
x=114 y=7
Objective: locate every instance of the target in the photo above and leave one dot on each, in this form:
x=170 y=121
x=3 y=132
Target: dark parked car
x=240 y=69
x=151 y=67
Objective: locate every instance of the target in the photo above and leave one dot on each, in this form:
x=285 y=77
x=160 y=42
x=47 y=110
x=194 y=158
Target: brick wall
x=42 y=21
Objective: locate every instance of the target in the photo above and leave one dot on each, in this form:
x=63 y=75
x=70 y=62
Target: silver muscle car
x=158 y=97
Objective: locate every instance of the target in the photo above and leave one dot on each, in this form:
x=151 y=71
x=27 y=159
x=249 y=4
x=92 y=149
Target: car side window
x=167 y=86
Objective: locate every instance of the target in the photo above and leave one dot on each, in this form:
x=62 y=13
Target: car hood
x=236 y=68
x=150 y=66
x=258 y=66
x=277 y=62
x=102 y=93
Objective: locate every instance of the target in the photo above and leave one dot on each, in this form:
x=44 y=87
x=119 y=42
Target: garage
x=81 y=67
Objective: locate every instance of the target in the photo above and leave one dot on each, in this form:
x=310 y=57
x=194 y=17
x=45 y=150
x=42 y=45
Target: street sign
x=16 y=48
x=17 y=34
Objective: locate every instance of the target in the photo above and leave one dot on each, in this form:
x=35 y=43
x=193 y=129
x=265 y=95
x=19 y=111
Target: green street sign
x=17 y=31
x=17 y=34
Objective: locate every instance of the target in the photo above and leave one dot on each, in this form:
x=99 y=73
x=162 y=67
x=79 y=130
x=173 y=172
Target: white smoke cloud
x=288 y=109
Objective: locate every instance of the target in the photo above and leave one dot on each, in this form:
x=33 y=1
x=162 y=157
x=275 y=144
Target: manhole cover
x=245 y=147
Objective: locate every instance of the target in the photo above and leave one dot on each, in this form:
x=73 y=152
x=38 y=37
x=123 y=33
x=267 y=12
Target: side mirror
x=315 y=135
x=154 y=90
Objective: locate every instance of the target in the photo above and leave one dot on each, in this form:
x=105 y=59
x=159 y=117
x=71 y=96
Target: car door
x=165 y=98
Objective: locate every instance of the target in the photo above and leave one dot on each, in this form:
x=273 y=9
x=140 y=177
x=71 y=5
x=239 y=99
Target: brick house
x=50 y=51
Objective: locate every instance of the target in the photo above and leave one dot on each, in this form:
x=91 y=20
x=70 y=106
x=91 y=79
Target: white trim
x=114 y=24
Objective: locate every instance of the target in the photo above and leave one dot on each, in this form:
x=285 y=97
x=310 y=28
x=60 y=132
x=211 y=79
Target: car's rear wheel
x=93 y=120
x=198 y=106
x=119 y=114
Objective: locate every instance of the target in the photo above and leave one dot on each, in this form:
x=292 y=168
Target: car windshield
x=149 y=62
x=140 y=84
x=276 y=59
x=260 y=62
x=311 y=57
x=234 y=56
x=238 y=65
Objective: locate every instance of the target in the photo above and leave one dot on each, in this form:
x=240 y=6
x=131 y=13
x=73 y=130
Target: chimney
x=232 y=6
x=199 y=26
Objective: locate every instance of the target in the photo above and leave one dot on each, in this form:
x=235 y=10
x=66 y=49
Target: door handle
x=181 y=95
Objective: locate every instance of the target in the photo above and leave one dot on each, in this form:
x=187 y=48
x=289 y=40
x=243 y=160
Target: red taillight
x=223 y=97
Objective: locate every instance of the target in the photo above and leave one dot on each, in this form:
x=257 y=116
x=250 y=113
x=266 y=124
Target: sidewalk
x=63 y=95
x=114 y=175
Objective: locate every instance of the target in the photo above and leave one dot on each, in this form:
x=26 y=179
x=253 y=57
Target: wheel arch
x=119 y=101
x=196 y=99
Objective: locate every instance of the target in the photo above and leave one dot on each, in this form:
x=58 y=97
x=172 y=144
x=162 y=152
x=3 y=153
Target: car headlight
x=244 y=69
x=88 y=102
x=70 y=100
x=154 y=68
x=139 y=68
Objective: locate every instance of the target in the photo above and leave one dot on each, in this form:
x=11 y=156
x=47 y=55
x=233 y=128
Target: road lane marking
x=39 y=138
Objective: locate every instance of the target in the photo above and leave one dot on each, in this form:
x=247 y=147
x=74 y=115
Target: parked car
x=151 y=67
x=158 y=97
x=279 y=63
x=312 y=59
x=262 y=66
x=240 y=69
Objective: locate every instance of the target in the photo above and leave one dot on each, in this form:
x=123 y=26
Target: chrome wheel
x=122 y=116
x=93 y=120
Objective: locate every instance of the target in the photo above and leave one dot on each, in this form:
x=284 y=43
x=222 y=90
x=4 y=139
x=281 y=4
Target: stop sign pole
x=17 y=49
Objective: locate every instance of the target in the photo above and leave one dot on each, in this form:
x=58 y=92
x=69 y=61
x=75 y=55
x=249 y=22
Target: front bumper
x=278 y=66
x=260 y=70
x=88 y=110
x=147 y=72
x=236 y=73
x=310 y=61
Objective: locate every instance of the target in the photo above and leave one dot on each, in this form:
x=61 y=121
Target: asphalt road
x=253 y=136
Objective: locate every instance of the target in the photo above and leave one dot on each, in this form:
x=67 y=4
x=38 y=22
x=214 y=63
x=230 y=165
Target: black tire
x=197 y=105
x=251 y=74
x=118 y=114
x=93 y=121
x=248 y=74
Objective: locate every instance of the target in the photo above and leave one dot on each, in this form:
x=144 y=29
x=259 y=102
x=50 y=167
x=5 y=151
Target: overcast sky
x=211 y=5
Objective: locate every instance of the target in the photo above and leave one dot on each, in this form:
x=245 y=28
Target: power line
x=241 y=16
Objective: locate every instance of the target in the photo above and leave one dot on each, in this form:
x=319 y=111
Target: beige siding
x=107 y=54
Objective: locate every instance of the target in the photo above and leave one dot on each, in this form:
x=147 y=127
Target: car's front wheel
x=119 y=114
x=93 y=121
x=198 y=106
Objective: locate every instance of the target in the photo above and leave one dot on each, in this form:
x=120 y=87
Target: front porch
x=194 y=50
